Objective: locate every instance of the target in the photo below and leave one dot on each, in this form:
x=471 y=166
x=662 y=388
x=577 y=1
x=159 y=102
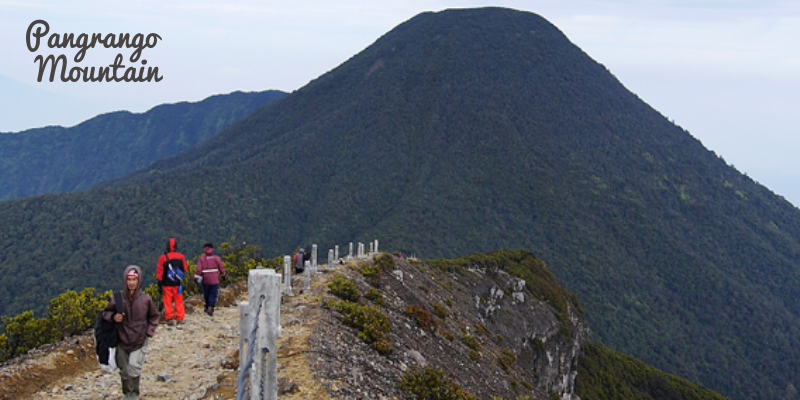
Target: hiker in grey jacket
x=137 y=323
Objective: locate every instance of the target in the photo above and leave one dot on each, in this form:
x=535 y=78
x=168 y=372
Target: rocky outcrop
x=543 y=344
x=494 y=338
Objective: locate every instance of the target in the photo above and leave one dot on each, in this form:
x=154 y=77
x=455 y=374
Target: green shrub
x=423 y=288
x=240 y=259
x=385 y=262
x=447 y=335
x=24 y=332
x=506 y=359
x=474 y=346
x=69 y=314
x=423 y=318
x=344 y=288
x=190 y=287
x=375 y=296
x=440 y=311
x=471 y=342
x=152 y=291
x=449 y=302
x=371 y=272
x=72 y=313
x=430 y=384
x=474 y=355
x=372 y=324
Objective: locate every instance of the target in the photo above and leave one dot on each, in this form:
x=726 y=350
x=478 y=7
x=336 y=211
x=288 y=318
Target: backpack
x=106 y=338
x=298 y=266
x=173 y=273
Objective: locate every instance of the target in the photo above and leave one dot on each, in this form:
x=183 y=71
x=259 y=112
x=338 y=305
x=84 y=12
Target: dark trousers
x=210 y=294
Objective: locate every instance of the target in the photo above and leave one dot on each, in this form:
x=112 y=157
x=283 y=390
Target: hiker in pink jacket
x=209 y=270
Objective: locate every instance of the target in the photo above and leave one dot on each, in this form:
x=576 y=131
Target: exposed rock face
x=532 y=330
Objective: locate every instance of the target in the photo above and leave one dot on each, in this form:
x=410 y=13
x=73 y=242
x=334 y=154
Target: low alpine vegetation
x=375 y=296
x=423 y=318
x=431 y=384
x=373 y=326
x=344 y=288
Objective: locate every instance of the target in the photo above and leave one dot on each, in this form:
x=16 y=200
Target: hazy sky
x=726 y=71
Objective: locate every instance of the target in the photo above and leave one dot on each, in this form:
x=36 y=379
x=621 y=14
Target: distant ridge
x=60 y=160
x=465 y=131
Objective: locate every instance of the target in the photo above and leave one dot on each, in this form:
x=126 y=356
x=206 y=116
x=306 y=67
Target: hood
x=141 y=279
x=172 y=245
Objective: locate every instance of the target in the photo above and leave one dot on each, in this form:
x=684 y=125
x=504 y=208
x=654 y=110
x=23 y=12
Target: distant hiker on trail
x=299 y=260
x=209 y=270
x=170 y=271
x=137 y=324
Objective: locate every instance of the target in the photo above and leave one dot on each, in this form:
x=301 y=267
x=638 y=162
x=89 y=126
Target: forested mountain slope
x=464 y=131
x=55 y=159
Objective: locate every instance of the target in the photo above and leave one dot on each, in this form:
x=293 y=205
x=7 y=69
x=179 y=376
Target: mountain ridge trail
x=196 y=360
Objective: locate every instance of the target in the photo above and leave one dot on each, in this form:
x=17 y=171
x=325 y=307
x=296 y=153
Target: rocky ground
x=318 y=357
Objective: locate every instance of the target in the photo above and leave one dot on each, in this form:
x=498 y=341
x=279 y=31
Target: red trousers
x=170 y=294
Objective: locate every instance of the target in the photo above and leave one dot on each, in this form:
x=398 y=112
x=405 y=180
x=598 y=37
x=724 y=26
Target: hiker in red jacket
x=170 y=271
x=209 y=269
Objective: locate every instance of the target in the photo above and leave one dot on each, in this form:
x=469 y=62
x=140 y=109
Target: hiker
x=209 y=270
x=170 y=271
x=136 y=324
x=299 y=261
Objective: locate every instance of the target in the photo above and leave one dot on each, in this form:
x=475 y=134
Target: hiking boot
x=171 y=322
x=127 y=389
x=211 y=311
x=135 y=388
x=208 y=310
x=181 y=322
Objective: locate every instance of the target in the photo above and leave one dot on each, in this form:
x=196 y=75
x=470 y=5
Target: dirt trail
x=200 y=357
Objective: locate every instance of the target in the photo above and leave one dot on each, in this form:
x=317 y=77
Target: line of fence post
x=265 y=288
x=287 y=276
x=306 y=276
x=314 y=258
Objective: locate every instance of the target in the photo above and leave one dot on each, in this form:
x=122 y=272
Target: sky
x=726 y=71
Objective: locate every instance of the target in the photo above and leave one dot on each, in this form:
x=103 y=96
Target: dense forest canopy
x=61 y=160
